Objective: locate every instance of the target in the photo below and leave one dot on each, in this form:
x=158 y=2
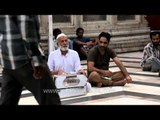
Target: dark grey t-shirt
x=101 y=61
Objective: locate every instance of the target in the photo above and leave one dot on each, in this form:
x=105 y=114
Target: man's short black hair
x=78 y=29
x=106 y=35
x=56 y=32
x=154 y=32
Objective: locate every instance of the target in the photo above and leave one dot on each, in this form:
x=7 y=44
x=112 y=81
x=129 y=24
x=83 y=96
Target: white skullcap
x=61 y=35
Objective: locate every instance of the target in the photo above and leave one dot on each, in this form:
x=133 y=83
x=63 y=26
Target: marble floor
x=145 y=89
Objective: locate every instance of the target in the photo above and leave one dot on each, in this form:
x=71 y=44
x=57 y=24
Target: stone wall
x=126 y=37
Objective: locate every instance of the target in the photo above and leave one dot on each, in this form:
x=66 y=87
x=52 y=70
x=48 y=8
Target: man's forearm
x=96 y=69
x=123 y=69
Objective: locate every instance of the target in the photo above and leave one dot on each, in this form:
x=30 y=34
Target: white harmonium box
x=71 y=85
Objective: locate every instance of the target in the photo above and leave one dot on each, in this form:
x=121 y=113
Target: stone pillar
x=44 y=33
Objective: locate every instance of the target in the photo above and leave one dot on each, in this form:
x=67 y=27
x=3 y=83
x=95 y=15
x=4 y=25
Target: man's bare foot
x=99 y=84
x=120 y=83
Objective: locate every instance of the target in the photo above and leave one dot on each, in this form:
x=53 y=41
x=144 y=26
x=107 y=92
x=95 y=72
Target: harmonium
x=71 y=85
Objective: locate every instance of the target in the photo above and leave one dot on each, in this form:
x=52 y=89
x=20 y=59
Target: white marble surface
x=120 y=99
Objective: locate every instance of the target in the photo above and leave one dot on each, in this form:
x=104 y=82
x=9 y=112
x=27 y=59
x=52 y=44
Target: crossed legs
x=117 y=79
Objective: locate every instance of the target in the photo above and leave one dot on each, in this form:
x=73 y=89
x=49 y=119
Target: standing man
x=23 y=61
x=98 y=65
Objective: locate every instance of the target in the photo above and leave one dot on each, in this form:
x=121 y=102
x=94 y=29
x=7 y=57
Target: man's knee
x=155 y=65
x=146 y=67
x=117 y=76
x=155 y=68
x=92 y=76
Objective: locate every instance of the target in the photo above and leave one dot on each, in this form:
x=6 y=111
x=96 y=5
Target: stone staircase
x=123 y=44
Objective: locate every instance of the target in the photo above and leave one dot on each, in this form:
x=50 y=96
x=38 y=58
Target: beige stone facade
x=130 y=32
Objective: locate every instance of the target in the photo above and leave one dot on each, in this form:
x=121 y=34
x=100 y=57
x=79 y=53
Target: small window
x=61 y=18
x=125 y=17
x=94 y=17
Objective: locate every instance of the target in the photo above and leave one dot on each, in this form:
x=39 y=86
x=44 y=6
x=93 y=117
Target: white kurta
x=69 y=63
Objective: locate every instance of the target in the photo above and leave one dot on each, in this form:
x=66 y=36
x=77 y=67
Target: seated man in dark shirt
x=82 y=44
x=98 y=65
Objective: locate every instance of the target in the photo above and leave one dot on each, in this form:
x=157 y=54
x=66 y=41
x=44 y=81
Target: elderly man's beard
x=63 y=48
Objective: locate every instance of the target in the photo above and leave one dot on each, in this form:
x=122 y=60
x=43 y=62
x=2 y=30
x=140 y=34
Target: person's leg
x=118 y=79
x=148 y=64
x=95 y=78
x=44 y=90
x=155 y=65
x=146 y=67
x=117 y=76
x=11 y=89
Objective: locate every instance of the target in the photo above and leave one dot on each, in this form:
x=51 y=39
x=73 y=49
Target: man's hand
x=81 y=71
x=107 y=73
x=129 y=79
x=38 y=71
x=61 y=72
